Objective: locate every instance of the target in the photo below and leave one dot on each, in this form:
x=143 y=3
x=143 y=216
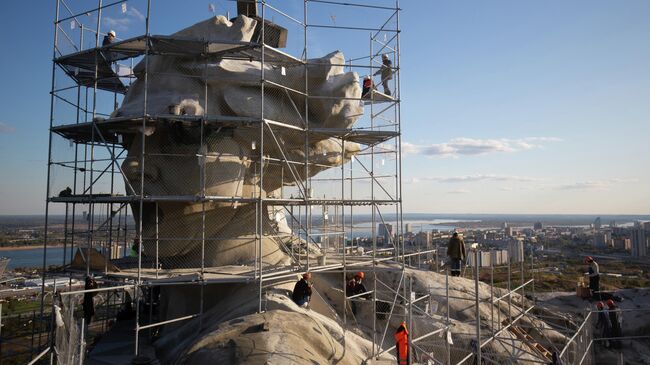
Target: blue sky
x=508 y=106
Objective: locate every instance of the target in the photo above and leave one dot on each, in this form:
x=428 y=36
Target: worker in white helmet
x=109 y=38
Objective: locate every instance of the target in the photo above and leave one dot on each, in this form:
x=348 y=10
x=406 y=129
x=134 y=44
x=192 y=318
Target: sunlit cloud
x=459 y=191
x=463 y=146
x=470 y=178
x=122 y=24
x=594 y=184
x=6 y=128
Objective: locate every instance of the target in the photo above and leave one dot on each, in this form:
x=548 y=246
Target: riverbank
x=28 y=247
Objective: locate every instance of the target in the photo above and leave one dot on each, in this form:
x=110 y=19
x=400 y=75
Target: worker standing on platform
x=593 y=273
x=355 y=286
x=368 y=86
x=616 y=321
x=603 y=322
x=89 y=303
x=456 y=253
x=386 y=72
x=109 y=38
x=402 y=344
x=135 y=248
x=302 y=291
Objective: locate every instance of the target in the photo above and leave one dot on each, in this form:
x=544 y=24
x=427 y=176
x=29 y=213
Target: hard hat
x=589 y=259
x=610 y=303
x=360 y=275
x=111 y=32
x=600 y=305
x=384 y=56
x=367 y=77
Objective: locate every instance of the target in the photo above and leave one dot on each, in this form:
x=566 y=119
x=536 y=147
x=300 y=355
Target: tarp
x=97 y=261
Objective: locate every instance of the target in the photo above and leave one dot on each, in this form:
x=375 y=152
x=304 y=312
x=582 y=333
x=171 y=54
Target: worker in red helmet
x=603 y=322
x=368 y=85
x=402 y=345
x=616 y=320
x=593 y=272
x=302 y=291
x=355 y=287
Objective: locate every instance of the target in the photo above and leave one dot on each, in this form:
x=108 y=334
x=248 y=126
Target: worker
x=603 y=322
x=354 y=287
x=109 y=38
x=302 y=291
x=402 y=344
x=456 y=253
x=555 y=359
x=127 y=312
x=135 y=248
x=594 y=275
x=616 y=320
x=88 y=303
x=65 y=192
x=386 y=72
x=368 y=85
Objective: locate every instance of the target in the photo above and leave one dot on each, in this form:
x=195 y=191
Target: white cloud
x=471 y=178
x=135 y=14
x=594 y=184
x=122 y=24
x=459 y=191
x=6 y=128
x=463 y=146
x=118 y=24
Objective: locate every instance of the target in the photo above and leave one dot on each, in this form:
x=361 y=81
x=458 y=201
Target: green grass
x=15 y=306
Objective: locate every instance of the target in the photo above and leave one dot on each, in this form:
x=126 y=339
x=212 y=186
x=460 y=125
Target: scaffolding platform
x=111 y=128
x=127 y=269
x=91 y=198
x=224 y=274
x=377 y=97
x=80 y=65
x=118 y=198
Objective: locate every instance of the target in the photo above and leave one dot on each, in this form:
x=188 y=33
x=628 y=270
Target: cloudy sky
x=508 y=106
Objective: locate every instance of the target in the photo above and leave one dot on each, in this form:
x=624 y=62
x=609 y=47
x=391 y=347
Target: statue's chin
x=229 y=239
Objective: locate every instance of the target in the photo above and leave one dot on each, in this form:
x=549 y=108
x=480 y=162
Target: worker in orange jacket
x=402 y=345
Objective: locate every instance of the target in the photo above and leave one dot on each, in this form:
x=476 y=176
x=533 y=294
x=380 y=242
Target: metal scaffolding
x=90 y=147
x=91 y=82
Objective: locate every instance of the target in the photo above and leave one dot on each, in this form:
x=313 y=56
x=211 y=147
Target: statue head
x=204 y=140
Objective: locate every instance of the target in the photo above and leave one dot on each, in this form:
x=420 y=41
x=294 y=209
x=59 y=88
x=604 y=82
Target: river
x=33 y=257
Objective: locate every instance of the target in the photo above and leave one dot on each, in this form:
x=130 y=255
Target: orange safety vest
x=402 y=345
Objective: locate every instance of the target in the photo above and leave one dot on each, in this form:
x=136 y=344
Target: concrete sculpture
x=180 y=160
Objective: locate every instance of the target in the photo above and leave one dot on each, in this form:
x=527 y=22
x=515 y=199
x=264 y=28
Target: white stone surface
x=174 y=157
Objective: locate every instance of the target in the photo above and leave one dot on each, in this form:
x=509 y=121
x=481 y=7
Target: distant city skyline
x=508 y=106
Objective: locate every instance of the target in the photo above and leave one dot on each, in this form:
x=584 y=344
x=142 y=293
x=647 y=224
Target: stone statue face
x=186 y=160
